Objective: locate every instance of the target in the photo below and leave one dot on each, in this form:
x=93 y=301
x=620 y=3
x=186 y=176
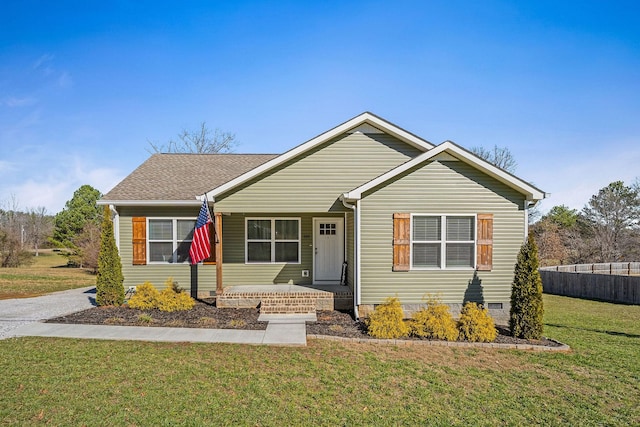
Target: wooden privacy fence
x=615 y=282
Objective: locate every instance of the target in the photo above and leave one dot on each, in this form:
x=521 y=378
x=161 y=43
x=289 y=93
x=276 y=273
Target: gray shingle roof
x=183 y=176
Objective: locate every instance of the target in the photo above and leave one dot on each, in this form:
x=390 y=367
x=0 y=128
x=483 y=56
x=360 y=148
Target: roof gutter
x=356 y=251
x=194 y=202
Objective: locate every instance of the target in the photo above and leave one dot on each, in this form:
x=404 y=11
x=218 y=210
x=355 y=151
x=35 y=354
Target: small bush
x=386 y=321
x=145 y=298
x=476 y=324
x=171 y=301
x=172 y=298
x=434 y=321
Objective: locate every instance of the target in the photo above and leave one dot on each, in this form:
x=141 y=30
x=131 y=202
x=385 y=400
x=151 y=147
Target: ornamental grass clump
x=434 y=322
x=475 y=324
x=387 y=320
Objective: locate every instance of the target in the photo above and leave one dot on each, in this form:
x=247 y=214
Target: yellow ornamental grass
x=145 y=298
x=476 y=324
x=387 y=320
x=434 y=322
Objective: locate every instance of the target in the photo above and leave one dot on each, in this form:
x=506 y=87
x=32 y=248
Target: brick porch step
x=285 y=298
x=290 y=303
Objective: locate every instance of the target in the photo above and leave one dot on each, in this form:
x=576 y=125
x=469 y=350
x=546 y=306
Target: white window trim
x=443 y=242
x=273 y=240
x=174 y=240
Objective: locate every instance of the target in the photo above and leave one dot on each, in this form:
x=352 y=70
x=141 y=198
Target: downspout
x=115 y=218
x=356 y=253
x=527 y=204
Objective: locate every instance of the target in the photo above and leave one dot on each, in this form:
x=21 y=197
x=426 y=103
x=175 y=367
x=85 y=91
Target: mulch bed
x=203 y=315
x=206 y=315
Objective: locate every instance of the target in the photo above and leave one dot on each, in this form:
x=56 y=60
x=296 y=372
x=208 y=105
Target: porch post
x=218 y=248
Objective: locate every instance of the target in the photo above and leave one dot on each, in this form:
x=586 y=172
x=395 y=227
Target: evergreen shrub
x=173 y=298
x=526 y=314
x=475 y=324
x=387 y=320
x=110 y=281
x=434 y=322
x=145 y=298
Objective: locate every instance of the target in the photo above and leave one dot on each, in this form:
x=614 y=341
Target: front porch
x=286 y=299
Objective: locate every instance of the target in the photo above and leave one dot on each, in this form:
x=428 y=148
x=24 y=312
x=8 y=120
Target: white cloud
x=44 y=63
x=14 y=102
x=65 y=80
x=52 y=190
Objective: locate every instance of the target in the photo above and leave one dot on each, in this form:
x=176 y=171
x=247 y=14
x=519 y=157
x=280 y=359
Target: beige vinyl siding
x=312 y=182
x=439 y=188
x=158 y=273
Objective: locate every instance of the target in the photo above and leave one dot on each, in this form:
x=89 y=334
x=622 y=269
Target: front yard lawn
x=48 y=273
x=84 y=382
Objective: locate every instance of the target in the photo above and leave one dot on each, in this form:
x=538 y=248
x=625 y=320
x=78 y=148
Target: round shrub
x=435 y=322
x=169 y=300
x=386 y=321
x=476 y=324
x=145 y=297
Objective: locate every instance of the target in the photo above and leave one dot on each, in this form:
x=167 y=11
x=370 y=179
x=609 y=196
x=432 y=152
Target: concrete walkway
x=15 y=313
x=23 y=317
x=275 y=334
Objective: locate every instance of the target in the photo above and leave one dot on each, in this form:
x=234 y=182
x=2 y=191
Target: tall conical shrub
x=110 y=282
x=526 y=314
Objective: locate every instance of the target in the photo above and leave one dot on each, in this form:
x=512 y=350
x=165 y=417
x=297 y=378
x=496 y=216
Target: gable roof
x=532 y=193
x=177 y=179
x=363 y=121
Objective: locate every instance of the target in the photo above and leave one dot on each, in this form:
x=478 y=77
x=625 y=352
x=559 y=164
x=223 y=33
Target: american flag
x=201 y=243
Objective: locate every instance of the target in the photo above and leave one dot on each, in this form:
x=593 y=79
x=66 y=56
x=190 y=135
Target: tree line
x=607 y=229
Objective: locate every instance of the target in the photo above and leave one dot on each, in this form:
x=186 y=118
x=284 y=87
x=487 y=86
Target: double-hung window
x=273 y=240
x=169 y=239
x=443 y=241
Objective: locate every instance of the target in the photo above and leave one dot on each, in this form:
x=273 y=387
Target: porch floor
x=286 y=299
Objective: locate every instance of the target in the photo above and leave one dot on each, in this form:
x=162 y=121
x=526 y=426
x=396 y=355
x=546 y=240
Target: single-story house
x=367 y=206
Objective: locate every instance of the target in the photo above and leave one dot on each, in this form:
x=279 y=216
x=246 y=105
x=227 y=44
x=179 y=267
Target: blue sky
x=84 y=85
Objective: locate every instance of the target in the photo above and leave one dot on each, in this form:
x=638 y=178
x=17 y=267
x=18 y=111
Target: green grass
x=79 y=382
x=47 y=274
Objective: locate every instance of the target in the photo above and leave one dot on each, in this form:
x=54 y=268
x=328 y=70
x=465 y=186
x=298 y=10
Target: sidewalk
x=281 y=330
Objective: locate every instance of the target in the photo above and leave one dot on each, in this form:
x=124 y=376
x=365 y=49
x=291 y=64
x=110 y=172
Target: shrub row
x=172 y=298
x=433 y=322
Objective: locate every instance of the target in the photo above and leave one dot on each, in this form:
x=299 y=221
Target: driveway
x=22 y=311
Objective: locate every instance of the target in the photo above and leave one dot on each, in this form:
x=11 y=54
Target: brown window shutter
x=212 y=240
x=485 y=242
x=139 y=240
x=401 y=241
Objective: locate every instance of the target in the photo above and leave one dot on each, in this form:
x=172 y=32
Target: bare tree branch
x=498 y=156
x=200 y=141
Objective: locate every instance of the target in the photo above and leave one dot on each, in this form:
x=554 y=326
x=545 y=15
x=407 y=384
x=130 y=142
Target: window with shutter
x=401 y=241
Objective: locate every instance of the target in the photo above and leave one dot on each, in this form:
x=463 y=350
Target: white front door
x=328 y=247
